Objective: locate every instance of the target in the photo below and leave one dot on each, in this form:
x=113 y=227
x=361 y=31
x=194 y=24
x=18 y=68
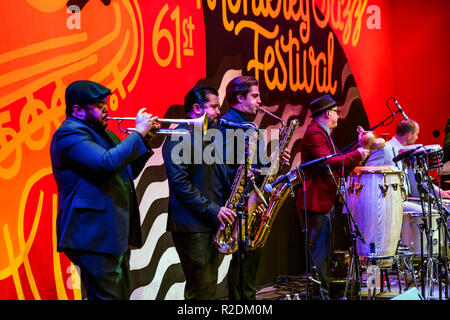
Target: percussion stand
x=440 y=225
x=356 y=233
x=425 y=188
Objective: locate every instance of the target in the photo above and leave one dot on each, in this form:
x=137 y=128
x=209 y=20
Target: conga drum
x=375 y=198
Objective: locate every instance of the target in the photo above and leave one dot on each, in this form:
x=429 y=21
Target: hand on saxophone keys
x=226 y=216
x=256 y=204
x=286 y=158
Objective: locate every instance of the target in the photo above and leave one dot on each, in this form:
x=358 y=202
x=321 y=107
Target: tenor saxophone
x=226 y=238
x=259 y=224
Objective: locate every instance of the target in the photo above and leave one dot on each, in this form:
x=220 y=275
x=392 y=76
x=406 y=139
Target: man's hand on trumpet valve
x=144 y=122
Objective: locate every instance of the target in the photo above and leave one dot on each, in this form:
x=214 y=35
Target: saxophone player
x=196 y=199
x=244 y=99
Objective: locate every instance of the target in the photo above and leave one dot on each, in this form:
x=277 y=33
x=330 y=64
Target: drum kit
x=401 y=210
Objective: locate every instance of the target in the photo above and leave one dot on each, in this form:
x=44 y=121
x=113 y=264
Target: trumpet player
x=98 y=213
x=197 y=196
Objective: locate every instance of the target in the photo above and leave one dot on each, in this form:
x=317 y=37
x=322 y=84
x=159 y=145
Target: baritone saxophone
x=259 y=224
x=226 y=238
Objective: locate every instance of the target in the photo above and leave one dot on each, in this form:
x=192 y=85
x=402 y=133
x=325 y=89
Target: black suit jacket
x=197 y=189
x=98 y=209
x=233 y=144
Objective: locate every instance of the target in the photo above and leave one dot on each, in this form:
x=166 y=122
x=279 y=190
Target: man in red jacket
x=320 y=188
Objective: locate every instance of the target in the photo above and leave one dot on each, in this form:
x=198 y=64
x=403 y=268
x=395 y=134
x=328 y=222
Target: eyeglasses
x=338 y=112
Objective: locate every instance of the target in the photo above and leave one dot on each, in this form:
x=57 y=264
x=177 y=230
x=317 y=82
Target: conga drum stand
x=432 y=269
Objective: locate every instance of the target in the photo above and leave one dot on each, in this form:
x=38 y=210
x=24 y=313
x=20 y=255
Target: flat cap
x=84 y=92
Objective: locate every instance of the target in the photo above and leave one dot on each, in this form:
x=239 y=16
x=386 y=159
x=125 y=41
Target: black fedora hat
x=321 y=104
x=83 y=92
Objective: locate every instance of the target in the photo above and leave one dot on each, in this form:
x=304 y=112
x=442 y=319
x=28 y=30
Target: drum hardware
x=358 y=188
x=384 y=189
x=403 y=189
x=421 y=160
x=351 y=188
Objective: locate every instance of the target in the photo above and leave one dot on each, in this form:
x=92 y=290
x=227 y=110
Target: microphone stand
x=349 y=146
x=242 y=216
x=426 y=189
x=310 y=269
x=356 y=233
x=423 y=227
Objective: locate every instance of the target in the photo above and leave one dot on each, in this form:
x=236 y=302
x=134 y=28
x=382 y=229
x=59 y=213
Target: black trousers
x=250 y=265
x=103 y=276
x=320 y=242
x=200 y=262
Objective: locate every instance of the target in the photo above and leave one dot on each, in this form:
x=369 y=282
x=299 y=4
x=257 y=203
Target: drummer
x=406 y=134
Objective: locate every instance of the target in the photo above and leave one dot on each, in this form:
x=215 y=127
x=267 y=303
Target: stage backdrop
x=150 y=53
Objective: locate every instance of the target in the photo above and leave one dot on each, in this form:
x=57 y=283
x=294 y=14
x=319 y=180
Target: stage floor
x=294 y=288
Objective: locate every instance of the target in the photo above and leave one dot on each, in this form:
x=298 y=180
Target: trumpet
x=200 y=123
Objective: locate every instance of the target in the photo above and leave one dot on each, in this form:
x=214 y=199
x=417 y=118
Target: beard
x=213 y=123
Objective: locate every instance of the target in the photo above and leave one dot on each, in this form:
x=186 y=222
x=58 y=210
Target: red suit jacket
x=320 y=187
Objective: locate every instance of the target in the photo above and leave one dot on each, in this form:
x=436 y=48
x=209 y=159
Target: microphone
x=404 y=155
x=244 y=125
x=310 y=163
x=400 y=109
x=288 y=176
